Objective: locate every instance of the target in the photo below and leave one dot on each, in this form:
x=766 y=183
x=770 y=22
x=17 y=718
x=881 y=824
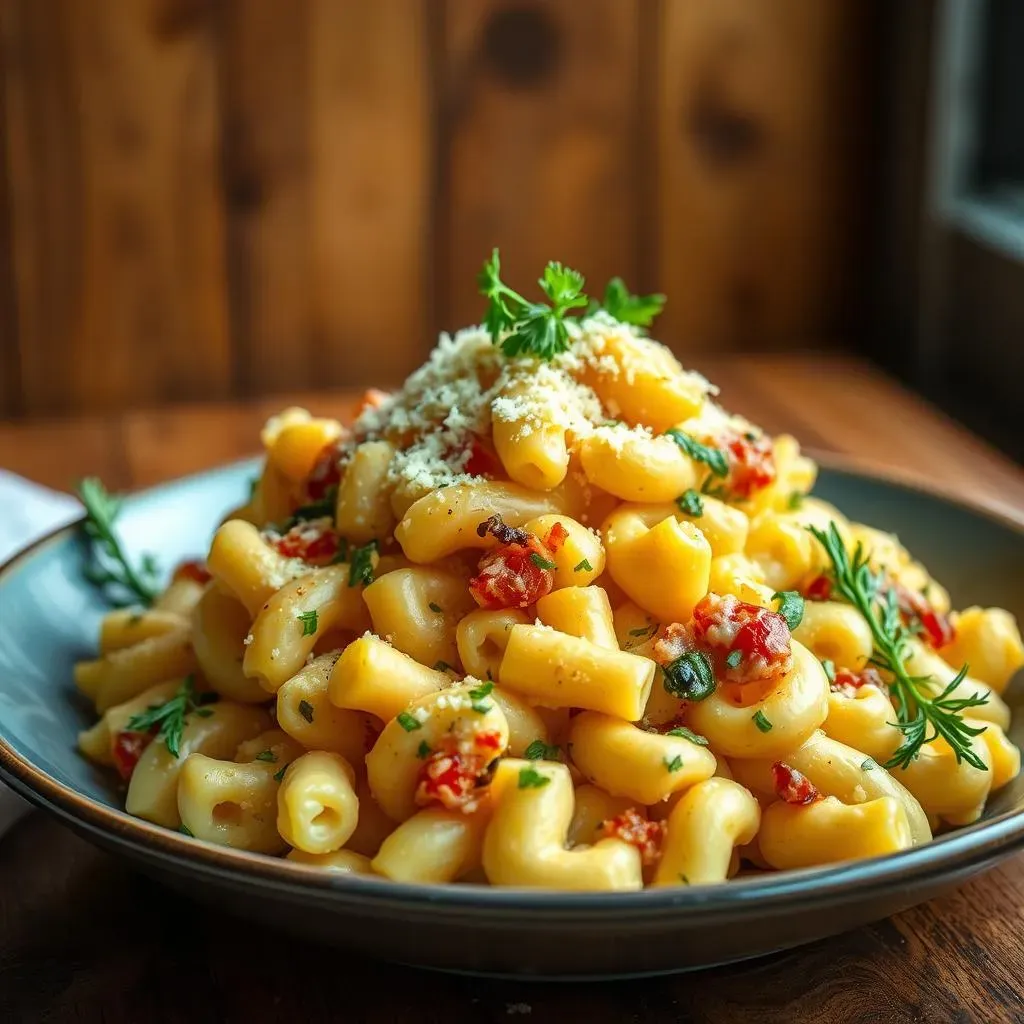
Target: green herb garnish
x=686 y=734
x=627 y=308
x=541 y=562
x=361 y=564
x=713 y=458
x=691 y=503
x=761 y=720
x=309 y=622
x=410 y=723
x=108 y=567
x=830 y=669
x=538 y=750
x=423 y=750
x=675 y=764
x=186 y=831
x=690 y=676
x=920 y=717
x=530 y=778
x=278 y=776
x=583 y=566
x=169 y=718
x=477 y=695
x=267 y=755
x=791 y=607
x=306 y=710
x=435 y=607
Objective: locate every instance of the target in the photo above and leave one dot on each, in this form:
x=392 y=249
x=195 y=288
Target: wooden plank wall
x=210 y=198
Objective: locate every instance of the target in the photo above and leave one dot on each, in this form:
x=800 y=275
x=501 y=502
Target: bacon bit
x=194 y=570
x=510 y=576
x=723 y=625
x=847 y=682
x=312 y=541
x=632 y=827
x=819 y=589
x=127 y=748
x=454 y=775
x=793 y=787
x=936 y=628
x=751 y=463
x=556 y=537
x=372 y=398
x=326 y=472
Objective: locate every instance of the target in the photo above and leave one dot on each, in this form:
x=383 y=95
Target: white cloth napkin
x=27 y=511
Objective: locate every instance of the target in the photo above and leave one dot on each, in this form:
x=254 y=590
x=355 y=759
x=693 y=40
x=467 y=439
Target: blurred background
x=210 y=199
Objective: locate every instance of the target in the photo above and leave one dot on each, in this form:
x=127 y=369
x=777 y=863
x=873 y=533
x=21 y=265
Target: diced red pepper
x=751 y=463
x=792 y=786
x=127 y=748
x=195 y=570
x=556 y=537
x=313 y=541
x=747 y=643
x=632 y=827
x=819 y=589
x=848 y=682
x=453 y=775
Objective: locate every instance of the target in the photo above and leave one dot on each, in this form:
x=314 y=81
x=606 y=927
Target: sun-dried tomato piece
x=936 y=629
x=517 y=573
x=454 y=774
x=747 y=643
x=127 y=748
x=312 y=541
x=792 y=786
x=193 y=569
x=326 y=472
x=556 y=537
x=632 y=827
x=751 y=463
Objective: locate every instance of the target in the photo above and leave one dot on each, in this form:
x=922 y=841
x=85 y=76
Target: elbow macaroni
x=455 y=643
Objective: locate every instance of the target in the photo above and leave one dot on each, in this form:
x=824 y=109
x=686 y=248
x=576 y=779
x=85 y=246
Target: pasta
x=550 y=616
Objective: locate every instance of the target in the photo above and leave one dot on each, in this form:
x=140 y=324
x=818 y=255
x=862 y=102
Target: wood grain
x=538 y=112
x=84 y=939
x=760 y=117
x=117 y=223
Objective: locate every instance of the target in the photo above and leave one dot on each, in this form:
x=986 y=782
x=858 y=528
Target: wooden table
x=84 y=939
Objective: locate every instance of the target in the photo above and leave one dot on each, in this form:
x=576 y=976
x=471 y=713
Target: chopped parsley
x=675 y=764
x=530 y=778
x=684 y=879
x=583 y=566
x=713 y=458
x=627 y=308
x=410 y=723
x=423 y=750
x=306 y=710
x=733 y=658
x=309 y=621
x=342 y=555
x=538 y=750
x=791 y=607
x=324 y=508
x=690 y=676
x=278 y=776
x=361 y=564
x=477 y=696
x=186 y=831
x=830 y=669
x=795 y=500
x=868 y=764
x=267 y=755
x=442 y=666
x=686 y=734
x=691 y=503
x=108 y=567
x=169 y=718
x=435 y=607
x=541 y=562
x=761 y=721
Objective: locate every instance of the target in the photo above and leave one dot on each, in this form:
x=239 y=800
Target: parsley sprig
x=108 y=567
x=169 y=718
x=540 y=329
x=920 y=717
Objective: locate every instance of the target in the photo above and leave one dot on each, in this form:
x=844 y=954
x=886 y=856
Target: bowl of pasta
x=544 y=664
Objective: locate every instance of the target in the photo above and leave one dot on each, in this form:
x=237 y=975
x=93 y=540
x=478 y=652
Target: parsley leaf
x=306 y=710
x=690 y=676
x=791 y=607
x=423 y=751
x=868 y=764
x=713 y=458
x=309 y=622
x=691 y=503
x=538 y=750
x=530 y=778
x=279 y=776
x=686 y=734
x=524 y=328
x=169 y=718
x=924 y=711
x=477 y=695
x=186 y=831
x=675 y=764
x=267 y=755
x=108 y=567
x=410 y=723
x=795 y=500
x=627 y=308
x=733 y=658
x=442 y=666
x=830 y=669
x=541 y=562
x=583 y=566
x=761 y=720
x=361 y=564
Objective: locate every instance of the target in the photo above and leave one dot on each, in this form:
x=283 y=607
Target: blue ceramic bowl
x=49 y=618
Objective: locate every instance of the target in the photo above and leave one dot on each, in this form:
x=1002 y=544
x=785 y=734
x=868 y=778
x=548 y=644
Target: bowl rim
x=967 y=847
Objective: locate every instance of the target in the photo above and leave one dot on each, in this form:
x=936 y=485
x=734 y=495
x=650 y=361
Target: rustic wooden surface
x=205 y=199
x=84 y=939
